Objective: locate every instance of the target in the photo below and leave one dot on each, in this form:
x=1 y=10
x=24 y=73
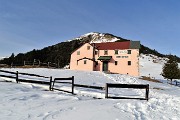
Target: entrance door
x=105 y=66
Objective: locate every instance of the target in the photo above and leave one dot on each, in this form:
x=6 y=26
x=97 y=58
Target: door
x=105 y=66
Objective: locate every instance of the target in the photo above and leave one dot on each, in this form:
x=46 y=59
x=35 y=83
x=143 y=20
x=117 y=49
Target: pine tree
x=170 y=69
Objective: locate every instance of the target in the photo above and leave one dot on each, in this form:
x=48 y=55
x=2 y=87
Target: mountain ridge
x=60 y=52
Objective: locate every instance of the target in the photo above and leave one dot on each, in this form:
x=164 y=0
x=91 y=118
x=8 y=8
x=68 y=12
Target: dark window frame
x=105 y=52
x=88 y=47
x=129 y=63
x=116 y=62
x=85 y=61
x=78 y=52
x=116 y=52
x=128 y=51
x=96 y=52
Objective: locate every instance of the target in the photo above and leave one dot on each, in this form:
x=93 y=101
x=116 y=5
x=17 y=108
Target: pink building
x=114 y=57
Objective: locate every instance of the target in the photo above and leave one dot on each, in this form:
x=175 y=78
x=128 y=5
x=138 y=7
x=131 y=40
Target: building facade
x=114 y=57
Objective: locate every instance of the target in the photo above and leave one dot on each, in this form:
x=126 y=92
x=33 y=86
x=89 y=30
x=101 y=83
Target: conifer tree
x=170 y=69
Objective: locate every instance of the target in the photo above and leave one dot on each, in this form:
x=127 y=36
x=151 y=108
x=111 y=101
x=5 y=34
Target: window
x=96 y=52
x=88 y=47
x=116 y=52
x=116 y=62
x=85 y=61
x=105 y=52
x=78 y=52
x=129 y=62
x=129 y=51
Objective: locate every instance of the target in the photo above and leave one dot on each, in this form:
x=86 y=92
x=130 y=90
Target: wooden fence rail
x=35 y=75
x=89 y=86
x=5 y=71
x=7 y=76
x=135 y=86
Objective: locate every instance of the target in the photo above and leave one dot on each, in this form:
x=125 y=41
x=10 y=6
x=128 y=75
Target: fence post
x=72 y=84
x=147 y=92
x=106 y=90
x=17 y=76
x=50 y=84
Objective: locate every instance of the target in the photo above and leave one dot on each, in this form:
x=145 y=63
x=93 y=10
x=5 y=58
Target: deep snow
x=27 y=101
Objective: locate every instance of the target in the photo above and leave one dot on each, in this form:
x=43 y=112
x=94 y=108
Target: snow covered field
x=27 y=101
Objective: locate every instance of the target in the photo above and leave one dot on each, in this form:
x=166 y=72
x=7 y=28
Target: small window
x=129 y=51
x=116 y=52
x=78 y=52
x=129 y=62
x=105 y=52
x=96 y=52
x=85 y=61
x=88 y=47
x=116 y=62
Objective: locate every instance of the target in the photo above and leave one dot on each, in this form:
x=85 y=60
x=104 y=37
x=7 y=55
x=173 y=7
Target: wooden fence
x=15 y=75
x=70 y=80
x=135 y=86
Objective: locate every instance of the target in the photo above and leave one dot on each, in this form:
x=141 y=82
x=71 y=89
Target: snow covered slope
x=27 y=101
x=151 y=65
x=95 y=37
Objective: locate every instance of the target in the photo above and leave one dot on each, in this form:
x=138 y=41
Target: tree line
x=59 y=53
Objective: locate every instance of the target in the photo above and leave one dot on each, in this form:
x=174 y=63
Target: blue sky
x=34 y=24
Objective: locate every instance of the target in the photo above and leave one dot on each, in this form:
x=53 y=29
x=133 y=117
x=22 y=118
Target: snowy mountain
x=96 y=37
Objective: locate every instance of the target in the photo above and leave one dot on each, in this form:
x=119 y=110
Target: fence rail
x=7 y=76
x=4 y=71
x=35 y=75
x=89 y=86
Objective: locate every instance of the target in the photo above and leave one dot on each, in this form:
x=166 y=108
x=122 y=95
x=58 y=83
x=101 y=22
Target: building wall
x=84 y=52
x=122 y=59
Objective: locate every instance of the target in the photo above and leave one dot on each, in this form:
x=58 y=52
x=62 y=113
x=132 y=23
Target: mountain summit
x=96 y=37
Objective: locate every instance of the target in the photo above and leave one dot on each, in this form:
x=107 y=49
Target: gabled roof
x=117 y=45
